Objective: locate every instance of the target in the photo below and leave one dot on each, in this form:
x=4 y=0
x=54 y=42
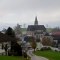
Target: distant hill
x=49 y=29
x=24 y=30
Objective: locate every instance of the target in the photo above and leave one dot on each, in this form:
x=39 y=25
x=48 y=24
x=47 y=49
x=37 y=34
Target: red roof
x=56 y=33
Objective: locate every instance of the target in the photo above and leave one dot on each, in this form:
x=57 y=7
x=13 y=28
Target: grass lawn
x=51 y=55
x=11 y=58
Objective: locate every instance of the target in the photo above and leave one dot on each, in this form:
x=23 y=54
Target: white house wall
x=39 y=45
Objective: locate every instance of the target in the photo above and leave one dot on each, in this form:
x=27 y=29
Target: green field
x=51 y=55
x=11 y=58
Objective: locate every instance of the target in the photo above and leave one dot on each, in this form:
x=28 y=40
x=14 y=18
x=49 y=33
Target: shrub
x=45 y=48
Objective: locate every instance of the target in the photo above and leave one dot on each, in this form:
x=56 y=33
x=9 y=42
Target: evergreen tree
x=10 y=32
x=15 y=47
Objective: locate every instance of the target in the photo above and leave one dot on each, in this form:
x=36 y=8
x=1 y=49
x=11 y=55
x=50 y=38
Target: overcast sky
x=24 y=12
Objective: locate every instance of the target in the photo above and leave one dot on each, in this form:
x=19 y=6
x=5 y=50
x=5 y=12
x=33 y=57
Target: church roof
x=36 y=27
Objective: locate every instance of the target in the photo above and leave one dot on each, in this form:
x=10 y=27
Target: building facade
x=36 y=30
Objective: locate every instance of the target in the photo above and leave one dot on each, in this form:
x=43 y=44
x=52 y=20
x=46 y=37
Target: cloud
x=24 y=11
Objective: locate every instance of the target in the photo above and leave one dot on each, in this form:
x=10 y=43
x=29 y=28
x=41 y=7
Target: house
x=36 y=30
x=56 y=38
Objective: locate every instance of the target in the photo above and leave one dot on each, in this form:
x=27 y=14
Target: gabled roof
x=6 y=38
x=36 y=27
x=56 y=35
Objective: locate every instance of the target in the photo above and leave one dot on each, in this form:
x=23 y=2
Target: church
x=36 y=30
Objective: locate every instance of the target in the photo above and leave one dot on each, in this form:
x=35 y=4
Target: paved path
x=38 y=58
x=34 y=57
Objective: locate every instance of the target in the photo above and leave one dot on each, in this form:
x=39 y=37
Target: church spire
x=36 y=21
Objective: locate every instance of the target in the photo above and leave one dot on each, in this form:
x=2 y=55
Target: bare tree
x=17 y=29
x=46 y=41
x=33 y=43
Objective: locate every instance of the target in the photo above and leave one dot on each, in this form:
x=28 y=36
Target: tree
x=10 y=32
x=33 y=43
x=4 y=30
x=16 y=50
x=46 y=41
x=17 y=29
x=6 y=47
x=2 y=46
x=15 y=47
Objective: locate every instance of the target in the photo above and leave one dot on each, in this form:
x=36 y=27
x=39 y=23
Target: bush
x=45 y=48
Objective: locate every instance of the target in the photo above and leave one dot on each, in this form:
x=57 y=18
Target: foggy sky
x=24 y=12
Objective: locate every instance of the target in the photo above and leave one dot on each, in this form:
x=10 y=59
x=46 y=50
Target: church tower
x=36 y=21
